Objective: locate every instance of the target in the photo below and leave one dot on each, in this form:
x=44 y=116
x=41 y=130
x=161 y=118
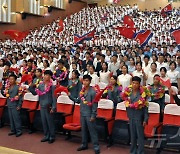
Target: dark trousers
x=91 y=127
x=48 y=123
x=137 y=137
x=15 y=120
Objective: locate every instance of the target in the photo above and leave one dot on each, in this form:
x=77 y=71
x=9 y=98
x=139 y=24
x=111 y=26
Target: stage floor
x=27 y=144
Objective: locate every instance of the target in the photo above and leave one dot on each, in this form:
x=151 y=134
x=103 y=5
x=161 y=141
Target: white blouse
x=173 y=75
x=95 y=79
x=104 y=77
x=124 y=80
x=139 y=74
x=150 y=77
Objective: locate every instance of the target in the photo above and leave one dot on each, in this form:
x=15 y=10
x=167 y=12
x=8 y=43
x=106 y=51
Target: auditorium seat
x=2 y=105
x=105 y=119
x=64 y=107
x=29 y=106
x=72 y=121
x=121 y=132
x=153 y=126
x=167 y=99
x=171 y=127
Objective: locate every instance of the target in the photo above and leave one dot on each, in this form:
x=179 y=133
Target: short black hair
x=172 y=62
x=87 y=77
x=30 y=60
x=48 y=72
x=61 y=62
x=76 y=73
x=156 y=75
x=146 y=56
x=7 y=63
x=13 y=75
x=136 y=78
x=39 y=70
x=164 y=69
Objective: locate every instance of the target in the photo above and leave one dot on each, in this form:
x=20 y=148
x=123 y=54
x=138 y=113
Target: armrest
x=1 y=106
x=158 y=125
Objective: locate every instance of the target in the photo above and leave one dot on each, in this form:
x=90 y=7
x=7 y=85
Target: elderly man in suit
x=47 y=101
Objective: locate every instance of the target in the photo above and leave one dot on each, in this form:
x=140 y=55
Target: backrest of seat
x=102 y=85
x=154 y=113
x=30 y=101
x=64 y=104
x=121 y=113
x=171 y=115
x=76 y=114
x=167 y=99
x=2 y=100
x=105 y=108
x=175 y=89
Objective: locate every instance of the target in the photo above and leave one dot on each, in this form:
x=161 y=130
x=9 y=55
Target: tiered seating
x=121 y=131
x=171 y=127
x=154 y=124
x=2 y=105
x=64 y=108
x=72 y=121
x=105 y=119
x=167 y=99
x=29 y=106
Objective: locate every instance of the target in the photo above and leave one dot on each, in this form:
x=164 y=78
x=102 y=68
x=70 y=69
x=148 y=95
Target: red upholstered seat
x=121 y=113
x=64 y=104
x=154 y=124
x=172 y=115
x=30 y=102
x=73 y=120
x=105 y=111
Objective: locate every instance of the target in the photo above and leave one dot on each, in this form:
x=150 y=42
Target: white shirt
x=173 y=75
x=1 y=74
x=150 y=76
x=95 y=79
x=146 y=68
x=124 y=80
x=139 y=74
x=161 y=65
x=104 y=77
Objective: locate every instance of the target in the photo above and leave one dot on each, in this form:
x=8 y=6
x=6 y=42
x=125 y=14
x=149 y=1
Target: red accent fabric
x=171 y=120
x=121 y=115
x=2 y=103
x=72 y=127
x=64 y=108
x=153 y=122
x=29 y=105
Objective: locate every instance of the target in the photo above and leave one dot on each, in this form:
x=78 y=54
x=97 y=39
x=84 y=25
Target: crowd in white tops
x=108 y=46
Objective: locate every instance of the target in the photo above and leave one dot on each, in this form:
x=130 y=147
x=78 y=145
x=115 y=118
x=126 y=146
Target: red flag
x=60 y=89
x=116 y=1
x=15 y=70
x=143 y=37
x=176 y=34
x=166 y=83
x=166 y=10
x=15 y=34
x=128 y=21
x=26 y=78
x=61 y=25
x=127 y=32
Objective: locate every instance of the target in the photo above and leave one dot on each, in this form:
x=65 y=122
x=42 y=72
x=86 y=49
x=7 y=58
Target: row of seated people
x=111 y=128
